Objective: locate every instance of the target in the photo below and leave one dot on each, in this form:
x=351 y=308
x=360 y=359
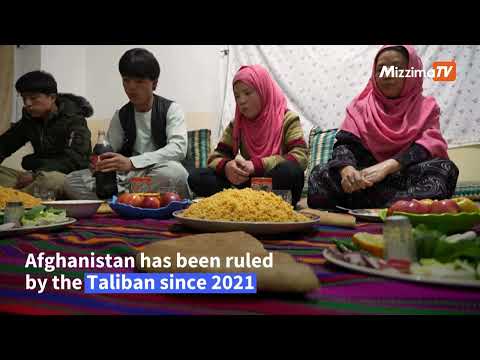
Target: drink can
x=141 y=184
x=261 y=183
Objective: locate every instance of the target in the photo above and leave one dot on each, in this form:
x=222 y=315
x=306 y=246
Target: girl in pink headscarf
x=389 y=146
x=265 y=139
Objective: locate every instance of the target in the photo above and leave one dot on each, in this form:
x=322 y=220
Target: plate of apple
x=447 y=215
x=148 y=205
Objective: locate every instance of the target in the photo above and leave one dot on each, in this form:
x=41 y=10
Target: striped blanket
x=342 y=291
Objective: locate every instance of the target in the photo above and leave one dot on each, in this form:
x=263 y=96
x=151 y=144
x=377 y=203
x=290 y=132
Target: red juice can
x=261 y=183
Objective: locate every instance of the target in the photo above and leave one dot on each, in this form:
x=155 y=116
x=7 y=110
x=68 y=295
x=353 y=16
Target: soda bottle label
x=401 y=265
x=93 y=159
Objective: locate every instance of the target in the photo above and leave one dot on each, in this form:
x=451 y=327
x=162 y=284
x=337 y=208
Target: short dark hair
x=36 y=81
x=139 y=63
x=401 y=49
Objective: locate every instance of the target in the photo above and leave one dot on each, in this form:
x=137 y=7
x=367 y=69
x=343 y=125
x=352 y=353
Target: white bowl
x=76 y=208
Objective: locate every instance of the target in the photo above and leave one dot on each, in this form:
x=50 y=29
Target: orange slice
x=373 y=243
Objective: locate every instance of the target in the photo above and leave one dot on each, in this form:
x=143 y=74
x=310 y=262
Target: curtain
x=6 y=85
x=321 y=80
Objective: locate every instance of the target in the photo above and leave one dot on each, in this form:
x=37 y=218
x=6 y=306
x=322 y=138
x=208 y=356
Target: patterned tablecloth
x=341 y=291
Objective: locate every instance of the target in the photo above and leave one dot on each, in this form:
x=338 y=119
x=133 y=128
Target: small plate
x=372 y=215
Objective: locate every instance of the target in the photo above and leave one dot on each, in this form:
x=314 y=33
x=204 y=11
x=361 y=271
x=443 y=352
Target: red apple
x=444 y=206
x=452 y=206
x=398 y=206
x=136 y=200
x=418 y=207
x=125 y=198
x=168 y=197
x=151 y=202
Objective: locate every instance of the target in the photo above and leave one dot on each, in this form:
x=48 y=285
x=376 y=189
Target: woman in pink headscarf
x=265 y=133
x=389 y=146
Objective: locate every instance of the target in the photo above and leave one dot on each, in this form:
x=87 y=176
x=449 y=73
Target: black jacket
x=61 y=143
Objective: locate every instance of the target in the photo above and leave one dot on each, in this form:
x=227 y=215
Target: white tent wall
x=319 y=81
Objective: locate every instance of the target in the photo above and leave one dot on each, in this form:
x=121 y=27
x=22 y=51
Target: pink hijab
x=387 y=127
x=261 y=136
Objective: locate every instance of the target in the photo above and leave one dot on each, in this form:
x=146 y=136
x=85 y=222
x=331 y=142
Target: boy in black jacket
x=55 y=125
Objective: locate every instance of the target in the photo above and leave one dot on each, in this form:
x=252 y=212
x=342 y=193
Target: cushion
x=198 y=149
x=468 y=190
x=320 y=146
x=320 y=150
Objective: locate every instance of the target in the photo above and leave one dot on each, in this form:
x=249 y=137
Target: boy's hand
x=24 y=179
x=113 y=162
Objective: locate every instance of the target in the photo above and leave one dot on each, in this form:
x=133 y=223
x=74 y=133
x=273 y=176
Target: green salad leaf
x=464 y=249
x=432 y=244
x=41 y=215
x=34 y=212
x=426 y=240
x=457 y=269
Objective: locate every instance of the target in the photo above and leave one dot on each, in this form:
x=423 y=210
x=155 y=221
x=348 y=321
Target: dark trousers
x=431 y=179
x=285 y=176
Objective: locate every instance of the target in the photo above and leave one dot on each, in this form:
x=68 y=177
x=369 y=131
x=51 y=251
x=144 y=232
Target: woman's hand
x=380 y=171
x=235 y=174
x=246 y=165
x=113 y=162
x=352 y=180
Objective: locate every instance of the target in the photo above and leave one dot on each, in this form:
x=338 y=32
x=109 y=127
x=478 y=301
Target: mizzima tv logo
x=440 y=71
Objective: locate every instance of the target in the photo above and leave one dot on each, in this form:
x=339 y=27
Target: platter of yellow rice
x=252 y=211
x=9 y=194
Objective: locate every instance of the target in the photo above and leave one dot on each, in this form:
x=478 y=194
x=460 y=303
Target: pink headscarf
x=386 y=126
x=261 y=136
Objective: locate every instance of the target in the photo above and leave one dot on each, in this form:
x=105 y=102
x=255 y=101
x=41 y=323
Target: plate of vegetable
x=452 y=260
x=39 y=218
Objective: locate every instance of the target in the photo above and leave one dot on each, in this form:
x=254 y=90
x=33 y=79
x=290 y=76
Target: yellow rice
x=9 y=194
x=244 y=205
